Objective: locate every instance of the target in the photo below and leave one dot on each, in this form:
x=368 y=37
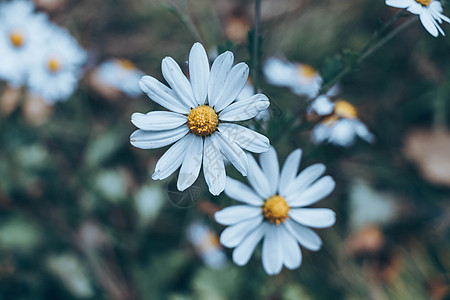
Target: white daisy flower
x=342 y=127
x=120 y=74
x=20 y=39
x=274 y=209
x=301 y=79
x=429 y=11
x=199 y=121
x=55 y=74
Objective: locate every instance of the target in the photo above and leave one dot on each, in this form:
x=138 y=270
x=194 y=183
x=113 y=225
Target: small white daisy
x=120 y=74
x=342 y=127
x=21 y=31
x=429 y=11
x=301 y=79
x=55 y=74
x=202 y=108
x=274 y=209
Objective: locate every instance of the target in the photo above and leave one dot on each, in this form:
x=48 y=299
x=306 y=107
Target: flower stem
x=255 y=54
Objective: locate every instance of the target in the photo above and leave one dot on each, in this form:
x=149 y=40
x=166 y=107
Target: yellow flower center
x=275 y=209
x=126 y=64
x=17 y=39
x=424 y=2
x=53 y=65
x=308 y=71
x=344 y=109
x=202 y=120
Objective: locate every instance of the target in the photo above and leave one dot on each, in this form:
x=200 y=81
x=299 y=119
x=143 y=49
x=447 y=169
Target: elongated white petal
x=158 y=120
x=313 y=217
x=157 y=139
x=178 y=82
x=231 y=151
x=292 y=256
x=257 y=179
x=191 y=163
x=427 y=22
x=305 y=236
x=319 y=190
x=235 y=82
x=272 y=256
x=162 y=95
x=238 y=191
x=270 y=168
x=234 y=235
x=219 y=72
x=243 y=252
x=305 y=179
x=199 y=72
x=398 y=3
x=245 y=109
x=289 y=171
x=245 y=138
x=213 y=168
x=172 y=159
x=235 y=214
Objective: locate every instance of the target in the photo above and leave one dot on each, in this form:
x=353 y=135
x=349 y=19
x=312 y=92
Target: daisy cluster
x=37 y=53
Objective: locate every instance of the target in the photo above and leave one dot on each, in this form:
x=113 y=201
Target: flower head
x=273 y=210
x=54 y=75
x=201 y=109
x=429 y=11
x=341 y=127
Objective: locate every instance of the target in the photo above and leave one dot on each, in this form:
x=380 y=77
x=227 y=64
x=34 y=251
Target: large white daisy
x=274 y=210
x=429 y=11
x=202 y=108
x=21 y=32
x=55 y=73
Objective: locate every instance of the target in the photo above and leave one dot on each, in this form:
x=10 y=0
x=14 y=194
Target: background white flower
x=273 y=210
x=201 y=109
x=21 y=31
x=429 y=11
x=55 y=73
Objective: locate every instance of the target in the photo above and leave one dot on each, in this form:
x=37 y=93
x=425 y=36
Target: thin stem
x=365 y=54
x=189 y=23
x=255 y=55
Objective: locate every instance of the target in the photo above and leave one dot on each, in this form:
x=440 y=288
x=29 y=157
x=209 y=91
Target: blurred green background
x=80 y=217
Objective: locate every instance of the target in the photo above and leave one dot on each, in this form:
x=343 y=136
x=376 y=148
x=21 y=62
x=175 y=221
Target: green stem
x=255 y=58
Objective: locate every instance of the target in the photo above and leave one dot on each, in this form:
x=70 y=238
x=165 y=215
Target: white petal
x=304 y=179
x=243 y=252
x=191 y=164
x=305 y=236
x=292 y=256
x=172 y=159
x=178 y=82
x=363 y=132
x=234 y=235
x=199 y=72
x=162 y=95
x=237 y=213
x=270 y=168
x=319 y=190
x=245 y=138
x=313 y=217
x=290 y=169
x=235 y=82
x=213 y=168
x=257 y=179
x=238 y=191
x=398 y=3
x=158 y=120
x=231 y=151
x=272 y=256
x=219 y=72
x=157 y=139
x=427 y=22
x=320 y=134
x=245 y=109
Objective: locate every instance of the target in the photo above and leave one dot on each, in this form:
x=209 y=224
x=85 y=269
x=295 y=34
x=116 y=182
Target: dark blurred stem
x=439 y=113
x=183 y=14
x=366 y=53
x=255 y=55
